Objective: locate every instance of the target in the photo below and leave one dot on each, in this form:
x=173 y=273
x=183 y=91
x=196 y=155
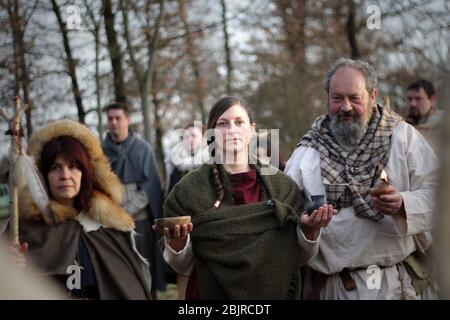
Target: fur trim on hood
x=108 y=190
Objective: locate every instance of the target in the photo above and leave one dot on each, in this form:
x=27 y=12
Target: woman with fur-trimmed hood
x=89 y=248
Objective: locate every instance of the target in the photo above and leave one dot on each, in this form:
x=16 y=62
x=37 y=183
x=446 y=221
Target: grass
x=171 y=293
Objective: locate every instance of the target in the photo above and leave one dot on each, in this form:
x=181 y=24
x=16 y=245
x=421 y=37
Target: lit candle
x=382 y=188
x=384 y=176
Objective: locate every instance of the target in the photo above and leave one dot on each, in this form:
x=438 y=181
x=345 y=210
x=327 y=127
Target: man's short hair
x=364 y=67
x=425 y=84
x=118 y=105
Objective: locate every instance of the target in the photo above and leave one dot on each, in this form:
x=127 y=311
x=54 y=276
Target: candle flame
x=384 y=176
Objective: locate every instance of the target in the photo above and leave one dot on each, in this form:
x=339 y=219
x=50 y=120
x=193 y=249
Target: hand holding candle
x=386 y=198
x=382 y=188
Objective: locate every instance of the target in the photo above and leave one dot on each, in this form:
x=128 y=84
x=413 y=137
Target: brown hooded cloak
x=105 y=229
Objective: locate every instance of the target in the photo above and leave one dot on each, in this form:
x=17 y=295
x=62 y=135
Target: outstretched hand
x=320 y=218
x=177 y=237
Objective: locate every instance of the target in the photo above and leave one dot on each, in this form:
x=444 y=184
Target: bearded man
x=362 y=251
x=422 y=113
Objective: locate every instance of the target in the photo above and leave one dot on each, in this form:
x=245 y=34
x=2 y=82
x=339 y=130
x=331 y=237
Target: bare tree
x=352 y=30
x=293 y=14
x=18 y=21
x=226 y=43
x=114 y=52
x=71 y=64
x=96 y=22
x=159 y=150
x=143 y=73
x=193 y=54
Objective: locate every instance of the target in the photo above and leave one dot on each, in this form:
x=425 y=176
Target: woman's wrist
x=176 y=244
x=311 y=233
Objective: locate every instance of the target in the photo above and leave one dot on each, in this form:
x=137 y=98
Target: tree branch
x=154 y=42
x=4 y=114
x=29 y=15
x=134 y=63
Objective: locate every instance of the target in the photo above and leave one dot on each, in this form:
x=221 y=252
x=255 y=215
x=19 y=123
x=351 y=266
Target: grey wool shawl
x=128 y=159
x=247 y=251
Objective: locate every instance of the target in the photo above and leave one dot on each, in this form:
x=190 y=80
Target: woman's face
x=234 y=130
x=64 y=179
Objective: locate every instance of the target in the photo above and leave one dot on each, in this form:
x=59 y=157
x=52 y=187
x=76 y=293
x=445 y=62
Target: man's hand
x=320 y=218
x=178 y=237
x=390 y=203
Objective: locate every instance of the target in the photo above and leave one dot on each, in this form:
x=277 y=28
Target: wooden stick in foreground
x=16 y=150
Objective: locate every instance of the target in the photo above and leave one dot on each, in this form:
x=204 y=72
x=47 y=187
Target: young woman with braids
x=250 y=238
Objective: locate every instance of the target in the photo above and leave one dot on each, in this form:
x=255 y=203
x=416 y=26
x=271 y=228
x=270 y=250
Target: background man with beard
x=422 y=114
x=341 y=158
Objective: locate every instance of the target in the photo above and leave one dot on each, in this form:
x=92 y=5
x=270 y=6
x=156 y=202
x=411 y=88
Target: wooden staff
x=15 y=130
x=387 y=102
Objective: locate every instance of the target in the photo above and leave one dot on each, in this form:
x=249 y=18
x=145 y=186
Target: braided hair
x=217 y=110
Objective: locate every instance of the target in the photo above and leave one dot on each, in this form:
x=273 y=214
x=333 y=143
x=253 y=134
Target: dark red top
x=245 y=188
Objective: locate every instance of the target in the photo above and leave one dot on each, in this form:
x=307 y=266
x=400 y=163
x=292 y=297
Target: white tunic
x=353 y=242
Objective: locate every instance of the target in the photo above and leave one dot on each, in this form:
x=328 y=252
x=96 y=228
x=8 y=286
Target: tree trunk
x=352 y=31
x=143 y=77
x=70 y=63
x=192 y=53
x=20 y=68
x=97 y=84
x=143 y=92
x=226 y=43
x=159 y=150
x=96 y=33
x=293 y=14
x=114 y=52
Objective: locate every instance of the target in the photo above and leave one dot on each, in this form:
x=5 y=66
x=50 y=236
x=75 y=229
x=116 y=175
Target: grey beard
x=348 y=134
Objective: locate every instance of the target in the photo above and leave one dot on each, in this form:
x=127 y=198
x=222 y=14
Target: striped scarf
x=348 y=175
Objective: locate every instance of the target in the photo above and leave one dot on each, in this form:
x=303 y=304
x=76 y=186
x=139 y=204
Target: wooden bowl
x=171 y=222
